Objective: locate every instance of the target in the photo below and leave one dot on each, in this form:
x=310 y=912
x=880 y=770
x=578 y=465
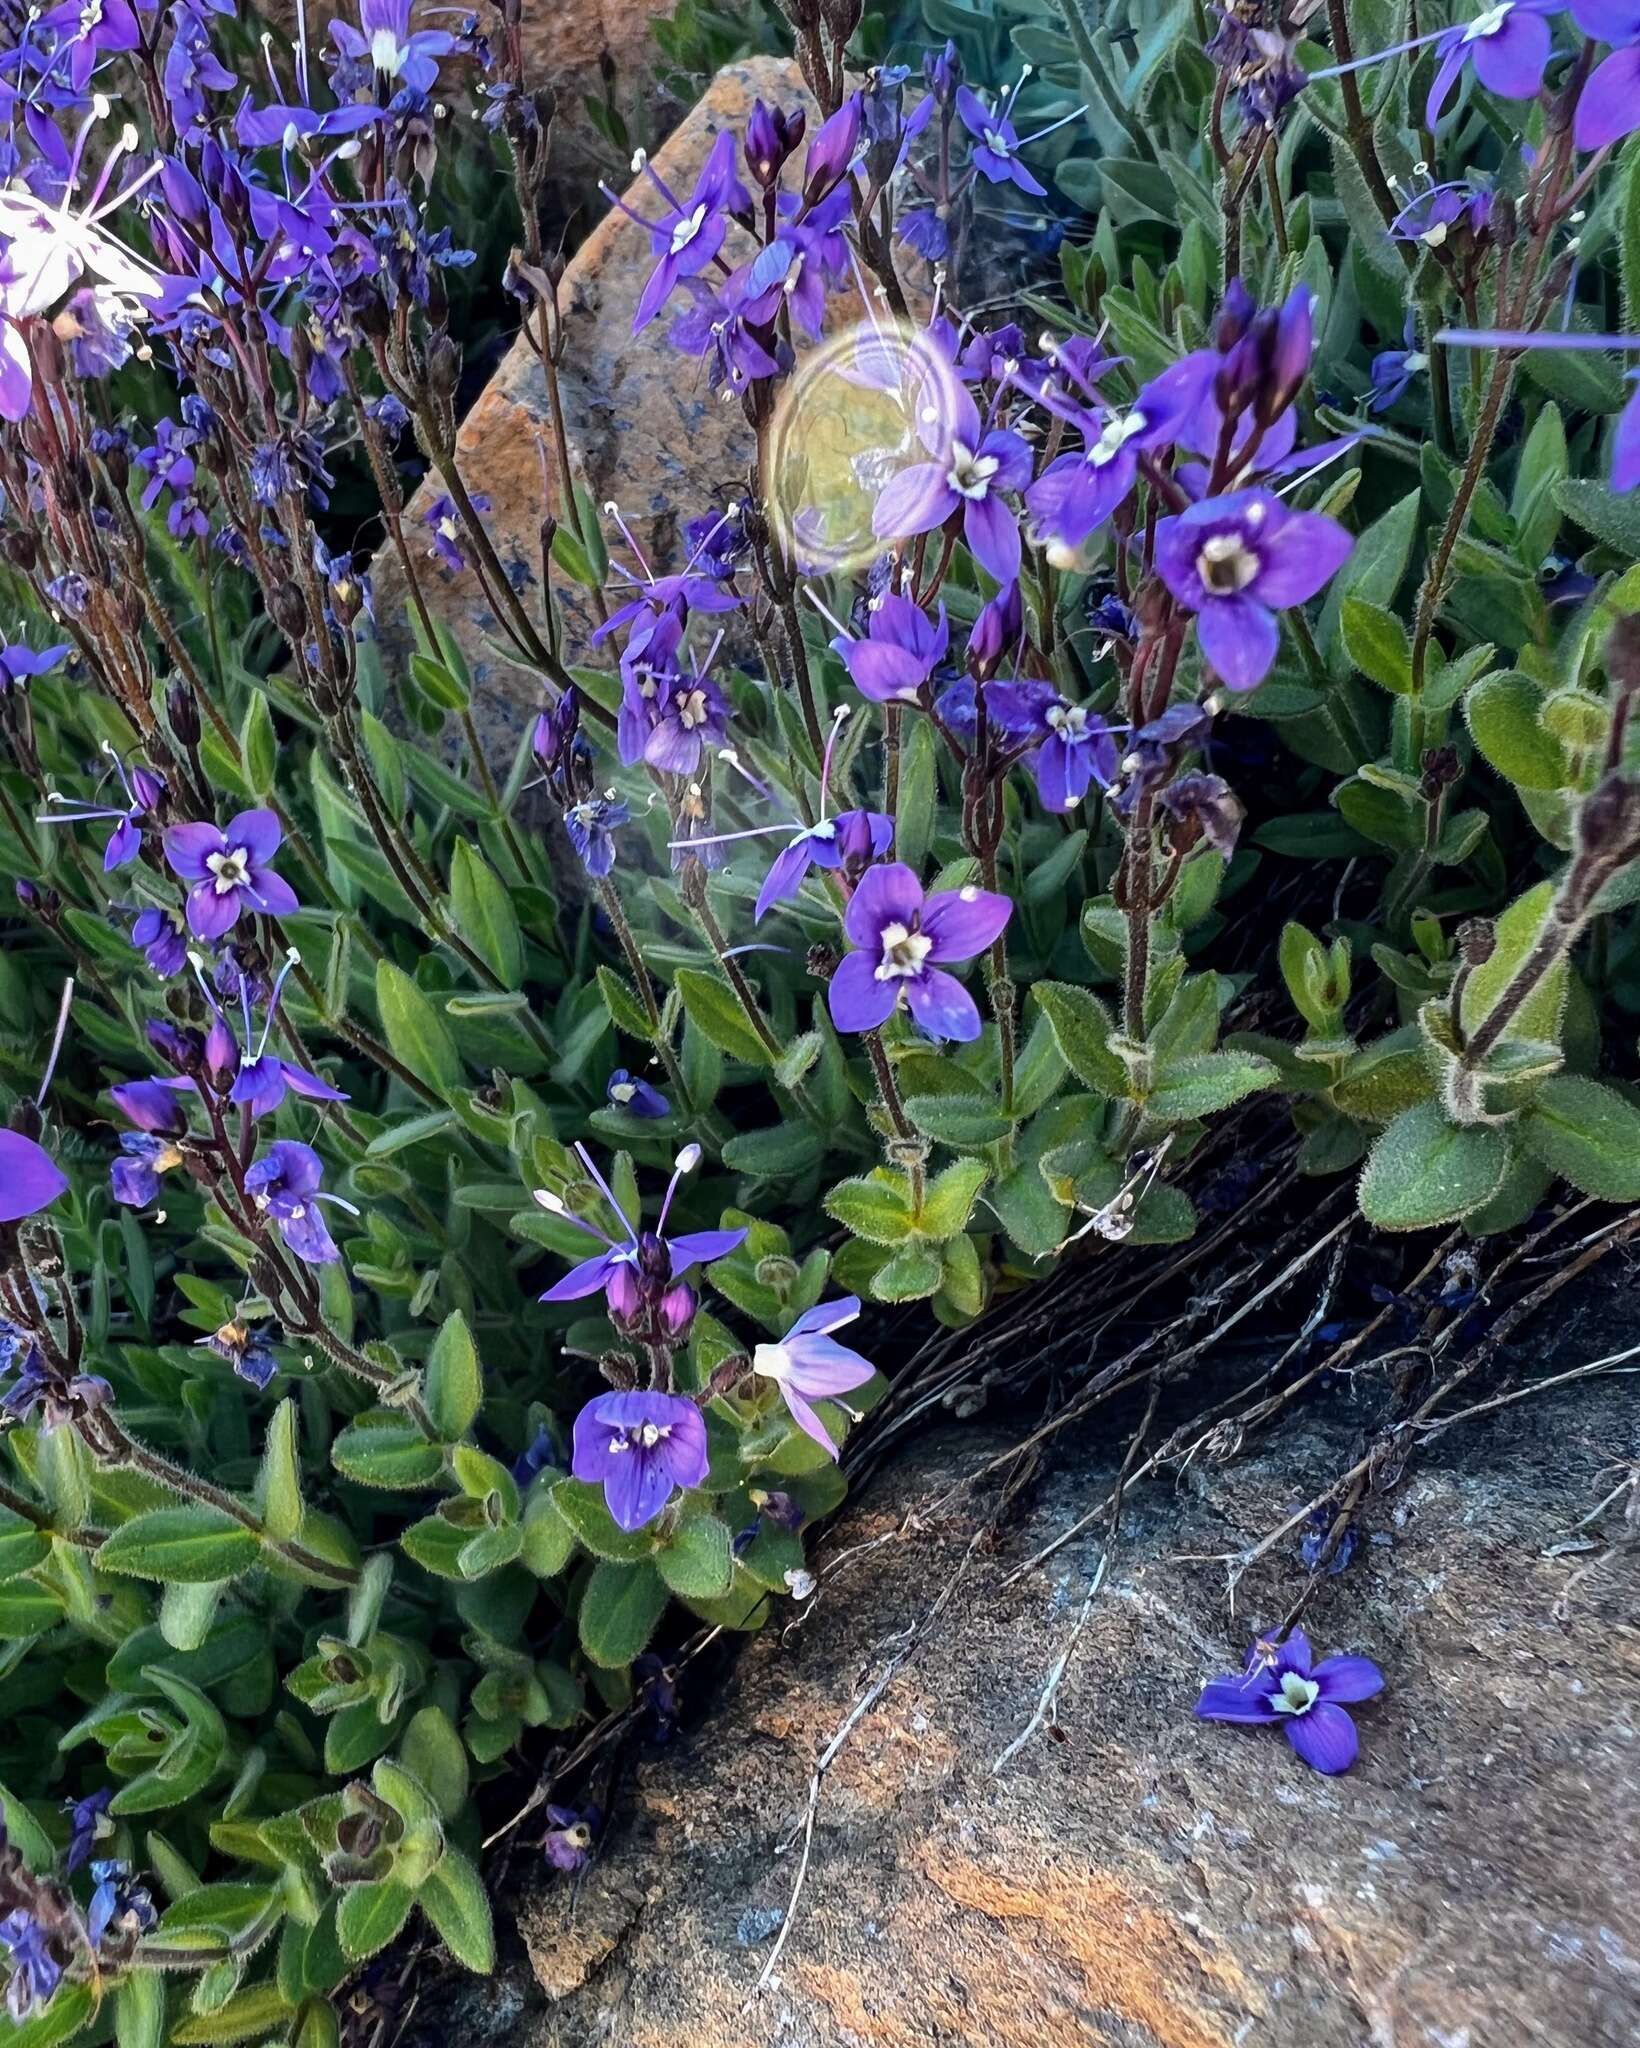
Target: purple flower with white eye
x=1432 y=215
x=263 y=1079
x=1508 y=45
x=695 y=588
x=1075 y=747
x=286 y=1185
x=158 y=935
x=385 y=39
x=996 y=144
x=444 y=527
x=641 y=1449
x=18 y=664
x=1393 y=369
x=902 y=648
x=848 y=841
x=691 y=231
x=567 y=1844
x=807 y=1365
x=635 y=1095
x=35 y=1970
x=641 y=1259
x=690 y=714
x=143 y=790
x=901 y=937
x=795 y=268
x=119 y=1905
x=1235 y=562
x=591 y=825
x=246 y=1349
x=30 y=1179
x=972 y=471
x=1281 y=1687
x=1078 y=493
x=229 y=869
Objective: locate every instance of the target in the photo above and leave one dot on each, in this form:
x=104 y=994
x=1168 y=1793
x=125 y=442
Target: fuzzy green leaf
x=484 y=914
x=418 y=1035
x=619 y=1609
x=455 y=1381
x=1424 y=1170
x=180 y=1546
x=1588 y=1134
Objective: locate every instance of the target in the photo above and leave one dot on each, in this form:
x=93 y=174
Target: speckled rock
x=1134 y=1878
x=643 y=428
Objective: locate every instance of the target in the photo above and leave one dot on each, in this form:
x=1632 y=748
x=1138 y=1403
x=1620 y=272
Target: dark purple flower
x=771 y=137
x=997 y=631
x=1077 y=493
x=690 y=232
x=691 y=713
x=848 y=841
x=1236 y=561
x=35 y=1971
x=901 y=936
x=640 y=1262
x=246 y=1348
x=157 y=1107
x=1432 y=215
x=807 y=1365
x=1280 y=1688
x=443 y=524
x=143 y=791
x=1076 y=749
x=229 y=870
x=1508 y=45
x=567 y=1844
x=88 y=1823
x=640 y=1448
x=160 y=937
x=30 y=1179
x=972 y=471
x=636 y=1096
x=286 y=1183
x=832 y=152
x=1209 y=807
x=592 y=825
x=902 y=648
x=1393 y=369
x=796 y=266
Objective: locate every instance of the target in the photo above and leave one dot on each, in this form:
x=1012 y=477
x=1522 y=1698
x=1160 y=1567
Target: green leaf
x=279 y=1489
x=139 y=2004
x=619 y=1609
x=381 y=1448
x=714 y=1007
x=62 y=2018
x=455 y=1383
x=949 y=1199
x=958 y=1119
x=915 y=1272
x=371 y=1914
x=549 y=1541
x=696 y=1563
x=1588 y=1134
x=1377 y=643
x=1082 y=1027
x=484 y=914
x=582 y=1507
x=180 y=1546
x=258 y=748
x=621 y=1000
x=1205 y=1083
x=453 y=1898
x=1504 y=717
x=1513 y=936
x=1601 y=512
x=1374 y=570
x=418 y=1035
x=876 y=1206
x=1424 y=1170
x=432 y=1753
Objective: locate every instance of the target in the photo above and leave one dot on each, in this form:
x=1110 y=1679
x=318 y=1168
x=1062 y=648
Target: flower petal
x=887 y=895
x=1348 y=1678
x=963 y=922
x=918 y=499
x=806 y=1419
x=187 y=846
x=580 y=1281
x=942 y=1006
x=1325 y=1738
x=30 y=1179
x=992 y=533
x=1609 y=106
x=637 y=1486
x=211 y=914
x=258 y=832
x=1239 y=637
x=857 y=999
x=701 y=1247
x=1298 y=556
x=823 y=1368
x=1228 y=1699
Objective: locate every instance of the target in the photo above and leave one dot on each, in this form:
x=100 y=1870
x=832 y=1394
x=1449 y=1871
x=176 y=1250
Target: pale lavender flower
x=807 y=1365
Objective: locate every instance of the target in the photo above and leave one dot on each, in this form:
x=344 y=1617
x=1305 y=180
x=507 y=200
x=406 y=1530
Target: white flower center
x=1226 y=564
x=904 y=952
x=1413 y=361
x=231 y=869
x=622 y=1091
x=1115 y=436
x=1070 y=721
x=386 y=53
x=652 y=1433
x=1489 y=23
x=997 y=144
x=970 y=474
x=773 y=1361
x=692 y=709
x=1297 y=1694
x=687 y=229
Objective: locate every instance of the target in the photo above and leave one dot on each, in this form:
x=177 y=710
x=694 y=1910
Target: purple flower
x=832 y=151
x=690 y=232
x=143 y=791
x=30 y=1179
x=1279 y=1688
x=997 y=144
x=158 y=934
x=1608 y=107
x=640 y=1448
x=1076 y=748
x=901 y=936
x=691 y=713
x=636 y=1096
x=641 y=1266
x=88 y=1823
x=286 y=1183
x=1508 y=45
x=972 y=472
x=18 y=663
x=118 y=1905
x=229 y=870
x=156 y=1107
x=902 y=648
x=567 y=1844
x=35 y=1971
x=592 y=825
x=443 y=524
x=771 y=137
x=1208 y=807
x=262 y=1081
x=135 y=1175
x=1235 y=561
x=848 y=841
x=808 y=1366
x=997 y=630
x=246 y=1349
x=1394 y=368
x=1078 y=493
x=384 y=37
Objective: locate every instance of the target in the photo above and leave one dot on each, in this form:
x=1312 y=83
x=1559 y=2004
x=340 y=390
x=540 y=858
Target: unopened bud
x=289 y=611
x=1476 y=941
x=182 y=715
x=443 y=365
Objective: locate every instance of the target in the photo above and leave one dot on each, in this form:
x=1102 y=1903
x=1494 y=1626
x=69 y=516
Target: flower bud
x=832 y=150
x=443 y=365
x=771 y=136
x=678 y=1305
x=1291 y=347
x=942 y=70
x=182 y=715
x=1236 y=311
x=1477 y=938
x=221 y=1055
x=623 y=1294
x=288 y=610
